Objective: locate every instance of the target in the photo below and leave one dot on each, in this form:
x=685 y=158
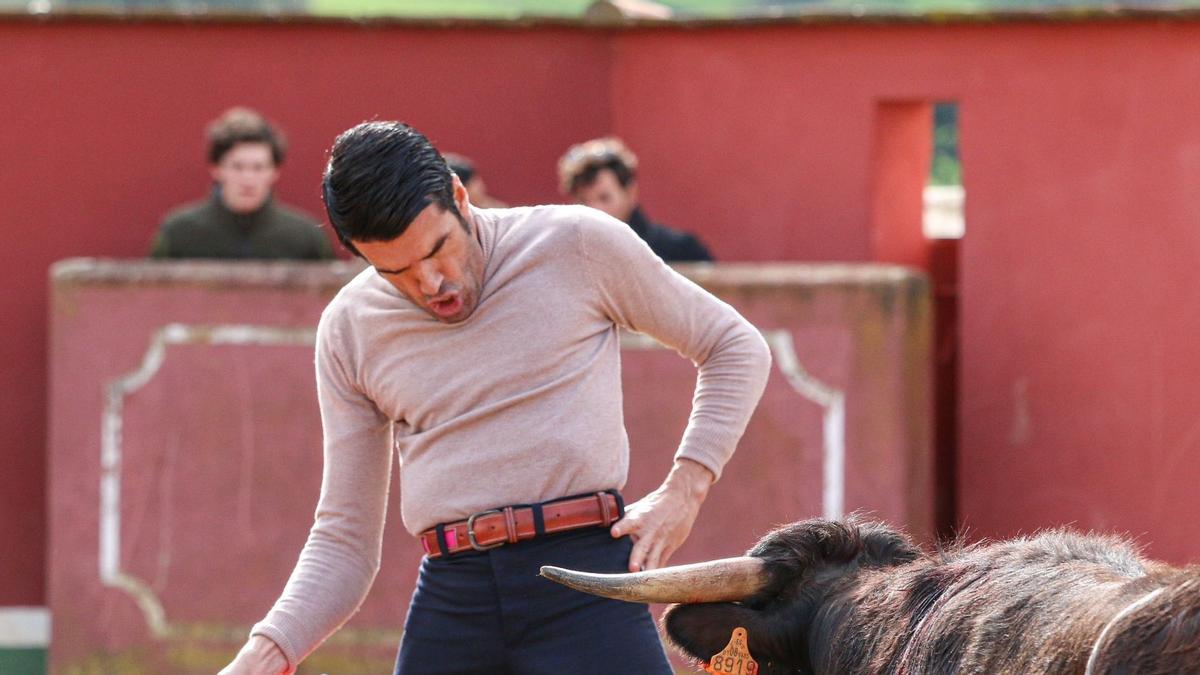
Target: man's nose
x=429 y=278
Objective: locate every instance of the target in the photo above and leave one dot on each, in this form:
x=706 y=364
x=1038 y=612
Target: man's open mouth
x=447 y=307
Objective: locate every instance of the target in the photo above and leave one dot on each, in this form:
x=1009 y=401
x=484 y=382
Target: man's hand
x=259 y=656
x=661 y=521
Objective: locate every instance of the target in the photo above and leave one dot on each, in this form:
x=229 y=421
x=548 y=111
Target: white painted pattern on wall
x=830 y=399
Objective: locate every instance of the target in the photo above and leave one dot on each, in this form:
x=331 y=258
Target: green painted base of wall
x=22 y=661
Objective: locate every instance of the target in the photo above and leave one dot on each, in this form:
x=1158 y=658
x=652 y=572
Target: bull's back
x=1158 y=633
x=1027 y=606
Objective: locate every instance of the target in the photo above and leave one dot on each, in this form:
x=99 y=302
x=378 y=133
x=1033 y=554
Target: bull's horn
x=714 y=581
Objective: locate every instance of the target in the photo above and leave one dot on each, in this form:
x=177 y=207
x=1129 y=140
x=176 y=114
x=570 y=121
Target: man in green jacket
x=240 y=219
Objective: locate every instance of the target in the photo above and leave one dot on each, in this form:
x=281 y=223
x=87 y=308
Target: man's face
x=605 y=193
x=436 y=263
x=246 y=175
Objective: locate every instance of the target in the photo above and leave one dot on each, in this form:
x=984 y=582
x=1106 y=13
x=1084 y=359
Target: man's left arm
x=661 y=521
x=638 y=291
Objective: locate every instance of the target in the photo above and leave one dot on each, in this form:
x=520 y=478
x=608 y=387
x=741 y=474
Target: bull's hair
x=1167 y=629
x=802 y=559
x=857 y=597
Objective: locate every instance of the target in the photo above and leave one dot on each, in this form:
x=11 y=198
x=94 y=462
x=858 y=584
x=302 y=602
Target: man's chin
x=463 y=313
x=457 y=318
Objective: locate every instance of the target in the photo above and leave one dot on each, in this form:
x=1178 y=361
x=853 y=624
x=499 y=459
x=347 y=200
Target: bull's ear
x=703 y=630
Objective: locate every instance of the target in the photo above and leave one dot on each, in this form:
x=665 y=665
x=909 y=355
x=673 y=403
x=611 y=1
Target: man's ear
x=461 y=199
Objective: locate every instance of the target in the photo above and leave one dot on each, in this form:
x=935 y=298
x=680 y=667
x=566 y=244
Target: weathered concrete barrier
x=185 y=453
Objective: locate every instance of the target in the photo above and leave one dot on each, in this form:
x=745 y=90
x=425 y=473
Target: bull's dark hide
x=858 y=597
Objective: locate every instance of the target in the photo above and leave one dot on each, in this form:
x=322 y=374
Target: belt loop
x=539 y=520
x=510 y=525
x=441 y=539
x=605 y=512
x=620 y=503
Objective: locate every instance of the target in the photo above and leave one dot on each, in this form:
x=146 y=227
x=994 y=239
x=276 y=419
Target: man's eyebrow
x=436 y=247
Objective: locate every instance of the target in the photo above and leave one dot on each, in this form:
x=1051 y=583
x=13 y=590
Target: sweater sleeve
x=637 y=290
x=342 y=555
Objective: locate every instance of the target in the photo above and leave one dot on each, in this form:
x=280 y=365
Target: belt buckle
x=471 y=531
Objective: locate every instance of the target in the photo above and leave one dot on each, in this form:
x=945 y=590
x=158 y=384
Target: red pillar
x=902 y=149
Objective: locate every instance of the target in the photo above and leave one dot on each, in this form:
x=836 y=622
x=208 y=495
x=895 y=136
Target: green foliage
x=512 y=9
x=508 y=9
x=491 y=9
x=946 y=168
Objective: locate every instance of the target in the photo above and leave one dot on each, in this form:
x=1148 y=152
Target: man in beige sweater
x=482 y=348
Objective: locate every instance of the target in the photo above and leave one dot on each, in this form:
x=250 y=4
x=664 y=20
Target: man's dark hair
x=380 y=176
x=582 y=162
x=243 y=125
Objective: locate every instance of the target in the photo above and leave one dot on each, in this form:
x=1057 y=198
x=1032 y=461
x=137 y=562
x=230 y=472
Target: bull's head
x=783 y=591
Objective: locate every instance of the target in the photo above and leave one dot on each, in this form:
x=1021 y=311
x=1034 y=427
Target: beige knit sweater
x=519 y=403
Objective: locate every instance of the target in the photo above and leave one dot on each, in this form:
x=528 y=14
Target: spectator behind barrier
x=464 y=168
x=602 y=173
x=240 y=219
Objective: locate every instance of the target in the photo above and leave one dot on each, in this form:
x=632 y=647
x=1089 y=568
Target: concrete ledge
x=107 y=271
x=111 y=272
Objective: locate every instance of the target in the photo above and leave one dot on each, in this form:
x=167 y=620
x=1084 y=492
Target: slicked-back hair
x=380 y=176
x=243 y=125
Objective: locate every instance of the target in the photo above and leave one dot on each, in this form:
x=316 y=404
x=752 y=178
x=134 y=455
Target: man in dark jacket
x=240 y=219
x=602 y=173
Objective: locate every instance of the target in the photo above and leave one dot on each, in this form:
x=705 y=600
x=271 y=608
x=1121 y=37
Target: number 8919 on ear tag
x=735 y=659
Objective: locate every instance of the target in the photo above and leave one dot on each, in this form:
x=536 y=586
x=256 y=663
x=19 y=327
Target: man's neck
x=239 y=216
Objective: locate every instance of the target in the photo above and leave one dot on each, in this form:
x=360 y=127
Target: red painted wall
x=1080 y=159
x=102 y=133
x=1080 y=297
x=1079 y=286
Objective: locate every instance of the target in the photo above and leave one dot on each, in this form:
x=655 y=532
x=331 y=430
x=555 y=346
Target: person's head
x=244 y=155
x=464 y=168
x=392 y=200
x=601 y=173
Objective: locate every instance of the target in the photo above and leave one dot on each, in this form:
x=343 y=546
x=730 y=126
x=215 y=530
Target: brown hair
x=243 y=125
x=581 y=162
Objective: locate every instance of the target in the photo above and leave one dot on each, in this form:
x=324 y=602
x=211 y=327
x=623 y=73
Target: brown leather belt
x=510 y=524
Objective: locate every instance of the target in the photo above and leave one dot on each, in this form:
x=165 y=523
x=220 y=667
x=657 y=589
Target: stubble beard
x=470 y=291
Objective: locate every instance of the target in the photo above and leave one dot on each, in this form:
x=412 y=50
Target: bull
x=848 y=597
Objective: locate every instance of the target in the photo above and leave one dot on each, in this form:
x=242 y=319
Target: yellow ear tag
x=735 y=659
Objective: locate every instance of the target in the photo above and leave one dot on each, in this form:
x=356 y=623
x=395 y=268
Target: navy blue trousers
x=491 y=613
